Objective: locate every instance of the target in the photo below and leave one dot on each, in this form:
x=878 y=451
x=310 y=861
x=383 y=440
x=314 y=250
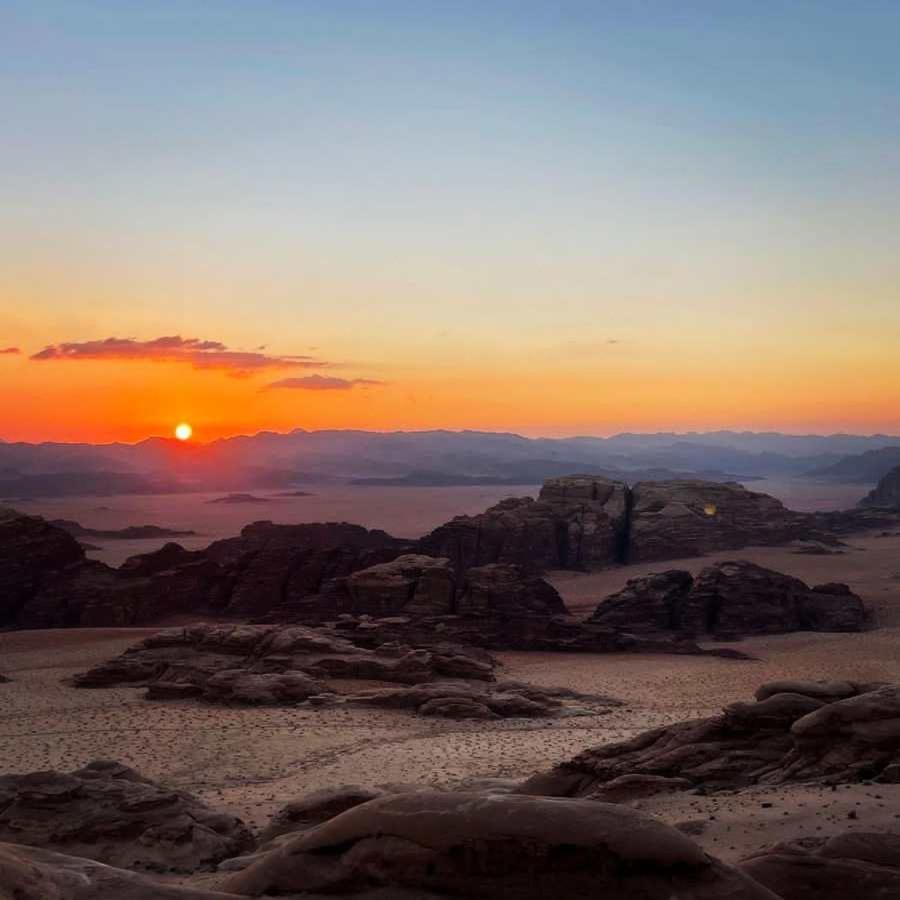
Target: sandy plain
x=252 y=761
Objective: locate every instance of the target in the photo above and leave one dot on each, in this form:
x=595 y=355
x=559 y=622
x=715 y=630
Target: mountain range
x=267 y=459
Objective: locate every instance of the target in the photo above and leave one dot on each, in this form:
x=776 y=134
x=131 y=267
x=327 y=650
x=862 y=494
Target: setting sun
x=183 y=431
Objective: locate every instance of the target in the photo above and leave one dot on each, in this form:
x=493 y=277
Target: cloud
x=320 y=383
x=9 y=351
x=195 y=352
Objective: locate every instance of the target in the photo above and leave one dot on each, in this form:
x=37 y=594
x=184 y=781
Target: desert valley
x=690 y=651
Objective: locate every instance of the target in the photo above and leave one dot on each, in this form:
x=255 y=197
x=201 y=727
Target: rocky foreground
x=484 y=840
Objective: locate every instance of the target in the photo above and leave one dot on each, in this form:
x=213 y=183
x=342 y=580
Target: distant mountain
x=886 y=494
x=286 y=461
x=865 y=468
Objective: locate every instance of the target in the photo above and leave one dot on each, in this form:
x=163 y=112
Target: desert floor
x=252 y=761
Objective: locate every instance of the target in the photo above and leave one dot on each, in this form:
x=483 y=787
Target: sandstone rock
x=109 y=813
x=782 y=738
x=507 y=590
x=886 y=494
x=31 y=551
x=411 y=584
x=651 y=603
x=728 y=599
x=672 y=519
x=456 y=708
x=577 y=522
x=472 y=846
x=315 y=808
x=635 y=787
x=267 y=664
x=855 y=864
x=28 y=873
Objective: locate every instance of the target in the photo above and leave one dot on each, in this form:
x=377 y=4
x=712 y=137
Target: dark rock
x=470 y=846
x=676 y=519
x=29 y=873
x=267 y=664
x=783 y=737
x=109 y=813
x=577 y=522
x=652 y=603
x=886 y=494
x=855 y=864
x=730 y=598
x=315 y=808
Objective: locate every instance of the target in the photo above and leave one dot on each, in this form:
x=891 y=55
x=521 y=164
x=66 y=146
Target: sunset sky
x=548 y=217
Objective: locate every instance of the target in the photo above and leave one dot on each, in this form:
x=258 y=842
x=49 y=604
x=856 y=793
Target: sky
x=546 y=217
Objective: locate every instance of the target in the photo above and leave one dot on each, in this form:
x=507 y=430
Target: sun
x=183 y=431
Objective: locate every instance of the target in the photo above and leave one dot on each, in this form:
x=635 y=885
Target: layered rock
x=674 y=519
x=886 y=494
x=266 y=664
x=730 y=599
x=577 y=522
x=795 y=731
x=109 y=813
x=854 y=864
x=462 y=845
x=467 y=700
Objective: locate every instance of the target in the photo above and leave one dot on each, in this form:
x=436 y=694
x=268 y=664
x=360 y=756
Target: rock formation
x=673 y=519
x=854 y=864
x=886 y=494
x=426 y=844
x=795 y=731
x=727 y=600
x=267 y=664
x=29 y=873
x=109 y=813
x=577 y=522
x=46 y=581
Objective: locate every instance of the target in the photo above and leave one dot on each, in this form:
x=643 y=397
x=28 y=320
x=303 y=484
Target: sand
x=252 y=761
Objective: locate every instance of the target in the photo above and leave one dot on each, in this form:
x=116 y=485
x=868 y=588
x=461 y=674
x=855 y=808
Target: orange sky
x=448 y=215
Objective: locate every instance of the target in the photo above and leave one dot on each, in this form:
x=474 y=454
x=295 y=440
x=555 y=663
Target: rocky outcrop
x=266 y=664
x=109 y=813
x=29 y=873
x=674 y=519
x=46 y=581
x=427 y=844
x=32 y=552
x=886 y=494
x=730 y=599
x=467 y=700
x=854 y=864
x=797 y=731
x=577 y=522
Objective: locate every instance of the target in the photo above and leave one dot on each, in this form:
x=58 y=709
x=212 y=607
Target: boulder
x=410 y=585
x=854 y=864
x=109 y=813
x=460 y=845
x=505 y=590
x=783 y=737
x=315 y=808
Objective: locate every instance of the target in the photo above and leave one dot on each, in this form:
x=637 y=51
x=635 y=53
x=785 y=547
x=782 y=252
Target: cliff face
x=886 y=494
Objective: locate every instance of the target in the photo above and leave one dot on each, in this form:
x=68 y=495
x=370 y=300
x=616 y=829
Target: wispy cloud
x=200 y=354
x=321 y=383
x=9 y=351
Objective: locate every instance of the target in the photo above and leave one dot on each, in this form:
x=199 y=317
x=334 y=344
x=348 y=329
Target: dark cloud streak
x=321 y=383
x=200 y=354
